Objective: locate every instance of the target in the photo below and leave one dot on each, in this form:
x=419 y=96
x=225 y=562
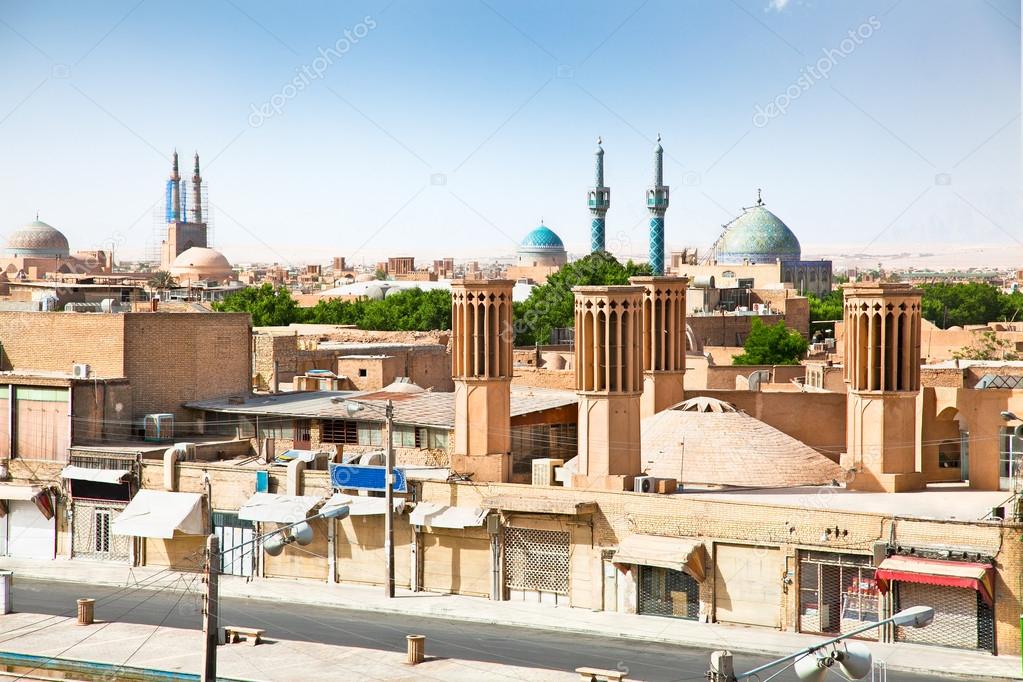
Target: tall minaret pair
x=175 y=206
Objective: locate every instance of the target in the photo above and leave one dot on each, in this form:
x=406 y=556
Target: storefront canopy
x=160 y=514
x=9 y=491
x=442 y=516
x=907 y=569
x=363 y=506
x=94 y=475
x=271 y=508
x=679 y=554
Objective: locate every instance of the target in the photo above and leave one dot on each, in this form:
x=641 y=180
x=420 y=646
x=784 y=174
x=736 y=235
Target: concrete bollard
x=86 y=611
x=416 y=649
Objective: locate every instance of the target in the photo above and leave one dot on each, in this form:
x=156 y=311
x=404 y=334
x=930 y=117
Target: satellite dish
x=274 y=545
x=302 y=533
x=853 y=660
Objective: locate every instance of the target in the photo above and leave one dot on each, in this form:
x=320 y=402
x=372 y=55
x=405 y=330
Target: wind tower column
x=599 y=201
x=609 y=383
x=481 y=366
x=882 y=370
x=664 y=342
x=657 y=204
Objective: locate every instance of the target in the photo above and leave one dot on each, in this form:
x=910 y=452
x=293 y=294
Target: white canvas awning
x=442 y=516
x=95 y=475
x=273 y=508
x=160 y=514
x=679 y=554
x=363 y=506
x=9 y=491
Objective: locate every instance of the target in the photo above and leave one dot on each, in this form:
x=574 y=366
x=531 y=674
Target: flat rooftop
x=946 y=502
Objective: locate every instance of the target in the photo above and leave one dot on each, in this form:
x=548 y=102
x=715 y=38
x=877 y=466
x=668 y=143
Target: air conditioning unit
x=543 y=471
x=80 y=370
x=187 y=451
x=644 y=484
x=159 y=427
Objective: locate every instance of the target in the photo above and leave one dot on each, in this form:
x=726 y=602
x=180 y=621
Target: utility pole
x=389 y=501
x=210 y=626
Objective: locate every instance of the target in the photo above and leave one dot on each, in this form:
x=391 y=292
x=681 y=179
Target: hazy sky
x=451 y=128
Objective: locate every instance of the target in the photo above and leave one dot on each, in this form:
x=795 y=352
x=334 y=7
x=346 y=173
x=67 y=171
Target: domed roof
x=759 y=236
x=37 y=239
x=698 y=444
x=542 y=238
x=199 y=262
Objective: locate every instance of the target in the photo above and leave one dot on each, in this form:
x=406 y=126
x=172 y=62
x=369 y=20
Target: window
x=363 y=372
x=949 y=452
x=339 y=431
x=403 y=437
x=370 y=434
x=837 y=592
x=278 y=430
x=303 y=431
x=102 y=537
x=1009 y=458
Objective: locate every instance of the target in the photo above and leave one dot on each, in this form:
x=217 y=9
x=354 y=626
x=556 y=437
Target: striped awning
x=965 y=574
x=679 y=554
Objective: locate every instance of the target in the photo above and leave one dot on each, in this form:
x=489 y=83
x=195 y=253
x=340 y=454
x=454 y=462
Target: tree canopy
x=956 y=304
x=826 y=309
x=408 y=310
x=550 y=305
x=771 y=345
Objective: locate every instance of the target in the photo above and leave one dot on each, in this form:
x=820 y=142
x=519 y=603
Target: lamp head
x=914 y=616
x=852 y=659
x=352 y=408
x=340 y=512
x=302 y=533
x=1009 y=416
x=274 y=544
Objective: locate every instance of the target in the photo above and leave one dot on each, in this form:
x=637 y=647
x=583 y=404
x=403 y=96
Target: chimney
x=481 y=366
x=608 y=364
x=664 y=342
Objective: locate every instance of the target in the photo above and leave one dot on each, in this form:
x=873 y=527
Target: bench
x=234 y=634
x=595 y=674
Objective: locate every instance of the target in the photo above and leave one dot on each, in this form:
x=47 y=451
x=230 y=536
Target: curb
x=444 y=614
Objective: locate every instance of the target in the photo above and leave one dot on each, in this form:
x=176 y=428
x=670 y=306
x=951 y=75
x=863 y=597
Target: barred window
x=102 y=520
x=339 y=431
x=536 y=560
x=370 y=434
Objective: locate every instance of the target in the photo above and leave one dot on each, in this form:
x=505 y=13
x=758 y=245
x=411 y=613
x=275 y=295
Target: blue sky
x=452 y=128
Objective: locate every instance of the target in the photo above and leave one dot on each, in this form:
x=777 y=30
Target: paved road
x=445 y=638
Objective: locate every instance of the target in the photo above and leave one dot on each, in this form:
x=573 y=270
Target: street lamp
x=353 y=407
x=812 y=664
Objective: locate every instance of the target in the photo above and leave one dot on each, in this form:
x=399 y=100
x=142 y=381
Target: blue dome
x=542 y=237
x=758 y=236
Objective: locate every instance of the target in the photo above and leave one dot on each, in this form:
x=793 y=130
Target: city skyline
x=329 y=131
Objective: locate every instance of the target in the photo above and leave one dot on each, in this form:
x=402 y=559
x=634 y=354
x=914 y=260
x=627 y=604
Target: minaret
x=599 y=202
x=657 y=204
x=196 y=193
x=882 y=370
x=175 y=178
x=481 y=366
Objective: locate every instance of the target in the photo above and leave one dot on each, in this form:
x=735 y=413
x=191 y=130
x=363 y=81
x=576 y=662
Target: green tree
x=827 y=308
x=771 y=345
x=161 y=279
x=408 y=310
x=987 y=347
x=268 y=306
x=550 y=305
x=380 y=273
x=949 y=304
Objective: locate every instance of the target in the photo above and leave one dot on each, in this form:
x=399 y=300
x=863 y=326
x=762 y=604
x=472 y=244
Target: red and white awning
x=907 y=569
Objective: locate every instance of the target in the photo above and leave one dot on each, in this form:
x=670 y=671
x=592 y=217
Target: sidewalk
x=180 y=651
x=924 y=660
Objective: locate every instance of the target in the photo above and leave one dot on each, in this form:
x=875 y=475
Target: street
x=445 y=638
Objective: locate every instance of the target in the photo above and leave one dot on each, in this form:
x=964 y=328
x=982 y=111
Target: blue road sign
x=366 y=477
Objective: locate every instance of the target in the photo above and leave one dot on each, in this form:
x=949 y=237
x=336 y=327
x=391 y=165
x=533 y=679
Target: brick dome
x=37 y=239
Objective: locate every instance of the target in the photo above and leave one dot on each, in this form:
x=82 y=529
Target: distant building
x=541 y=254
x=37 y=249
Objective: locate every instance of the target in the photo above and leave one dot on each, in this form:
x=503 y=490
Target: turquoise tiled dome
x=759 y=236
x=542 y=237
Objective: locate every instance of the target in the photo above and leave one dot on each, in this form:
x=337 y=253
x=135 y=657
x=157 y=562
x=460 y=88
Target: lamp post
x=812 y=664
x=273 y=544
x=353 y=407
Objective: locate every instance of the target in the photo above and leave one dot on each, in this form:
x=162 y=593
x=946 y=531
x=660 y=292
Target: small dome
x=542 y=238
x=200 y=263
x=38 y=239
x=705 y=404
x=758 y=236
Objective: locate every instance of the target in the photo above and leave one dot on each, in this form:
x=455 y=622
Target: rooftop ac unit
x=159 y=427
x=187 y=451
x=543 y=471
x=644 y=484
x=80 y=370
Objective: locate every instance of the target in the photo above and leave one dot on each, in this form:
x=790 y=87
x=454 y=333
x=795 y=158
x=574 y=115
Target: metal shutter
x=747 y=585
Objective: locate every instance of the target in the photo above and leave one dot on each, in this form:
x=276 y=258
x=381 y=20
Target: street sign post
x=366 y=477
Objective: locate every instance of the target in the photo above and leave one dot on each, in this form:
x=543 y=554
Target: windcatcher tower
x=481 y=366
x=882 y=369
x=608 y=364
x=599 y=201
x=657 y=203
x=664 y=342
